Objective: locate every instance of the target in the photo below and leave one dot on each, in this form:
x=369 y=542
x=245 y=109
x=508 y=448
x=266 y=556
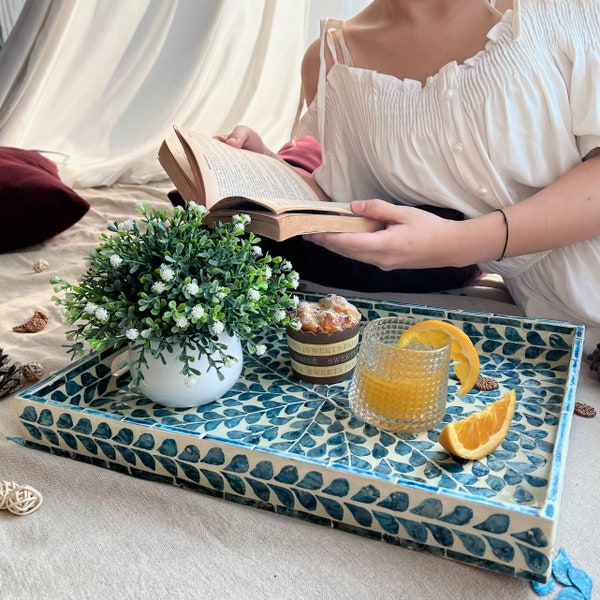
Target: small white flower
x=257 y=251
x=295 y=280
x=189 y=382
x=158 y=287
x=260 y=349
x=296 y=324
x=240 y=222
x=280 y=316
x=217 y=327
x=241 y=219
x=229 y=362
x=115 y=260
x=90 y=308
x=197 y=311
x=221 y=294
x=192 y=288
x=199 y=208
x=111 y=223
x=295 y=301
x=132 y=334
x=268 y=273
x=253 y=294
x=101 y=314
x=181 y=321
x=286 y=265
x=167 y=274
x=126 y=225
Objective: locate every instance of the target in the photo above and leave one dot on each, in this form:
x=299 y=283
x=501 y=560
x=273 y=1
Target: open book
x=229 y=181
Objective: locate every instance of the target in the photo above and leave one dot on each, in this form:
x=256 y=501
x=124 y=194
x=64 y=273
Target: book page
x=248 y=174
x=175 y=162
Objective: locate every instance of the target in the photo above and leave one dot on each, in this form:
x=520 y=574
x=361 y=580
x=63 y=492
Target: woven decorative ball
x=40 y=265
x=32 y=371
x=5 y=488
x=23 y=500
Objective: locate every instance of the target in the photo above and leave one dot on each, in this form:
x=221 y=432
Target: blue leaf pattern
x=273 y=441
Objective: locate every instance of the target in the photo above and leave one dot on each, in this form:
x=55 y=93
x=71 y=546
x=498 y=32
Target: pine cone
x=594 y=359
x=11 y=375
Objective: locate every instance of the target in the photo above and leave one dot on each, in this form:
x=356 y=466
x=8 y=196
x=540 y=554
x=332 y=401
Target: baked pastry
x=323 y=341
x=331 y=313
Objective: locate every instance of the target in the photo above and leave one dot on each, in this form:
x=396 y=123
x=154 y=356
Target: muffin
x=323 y=349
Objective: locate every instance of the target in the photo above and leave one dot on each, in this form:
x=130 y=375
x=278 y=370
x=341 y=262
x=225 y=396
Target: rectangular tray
x=279 y=444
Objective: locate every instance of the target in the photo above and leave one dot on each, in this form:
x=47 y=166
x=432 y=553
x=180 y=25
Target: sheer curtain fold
x=97 y=84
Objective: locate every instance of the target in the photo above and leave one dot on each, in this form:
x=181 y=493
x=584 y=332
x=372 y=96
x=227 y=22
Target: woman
x=493 y=111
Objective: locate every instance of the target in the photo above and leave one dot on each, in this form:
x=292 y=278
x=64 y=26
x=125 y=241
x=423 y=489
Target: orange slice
x=433 y=334
x=482 y=432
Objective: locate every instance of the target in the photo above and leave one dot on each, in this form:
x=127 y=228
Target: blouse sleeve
x=581 y=47
x=308 y=123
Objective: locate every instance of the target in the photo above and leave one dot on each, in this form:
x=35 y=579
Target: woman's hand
x=413 y=238
x=246 y=138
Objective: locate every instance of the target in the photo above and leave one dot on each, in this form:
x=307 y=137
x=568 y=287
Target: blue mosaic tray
x=276 y=443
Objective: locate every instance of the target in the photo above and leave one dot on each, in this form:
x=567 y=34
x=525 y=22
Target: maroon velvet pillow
x=35 y=203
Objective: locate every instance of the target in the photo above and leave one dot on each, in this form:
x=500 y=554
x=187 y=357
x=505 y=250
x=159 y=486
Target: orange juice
x=405 y=401
x=399 y=389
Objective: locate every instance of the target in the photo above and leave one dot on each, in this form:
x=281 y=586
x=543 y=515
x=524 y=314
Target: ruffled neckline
x=503 y=29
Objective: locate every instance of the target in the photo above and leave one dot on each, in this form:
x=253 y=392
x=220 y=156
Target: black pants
x=319 y=265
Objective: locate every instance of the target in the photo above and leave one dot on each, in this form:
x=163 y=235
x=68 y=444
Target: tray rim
x=556 y=472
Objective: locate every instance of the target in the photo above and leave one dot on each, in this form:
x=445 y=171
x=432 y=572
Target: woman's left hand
x=412 y=238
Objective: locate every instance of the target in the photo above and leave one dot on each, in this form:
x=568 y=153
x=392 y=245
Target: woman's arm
x=565 y=212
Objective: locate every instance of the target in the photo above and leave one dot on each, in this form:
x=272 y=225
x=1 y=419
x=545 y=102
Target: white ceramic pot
x=165 y=385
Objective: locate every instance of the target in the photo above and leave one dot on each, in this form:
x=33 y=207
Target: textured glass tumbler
x=399 y=389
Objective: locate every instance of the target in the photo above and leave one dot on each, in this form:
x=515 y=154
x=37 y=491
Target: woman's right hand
x=246 y=138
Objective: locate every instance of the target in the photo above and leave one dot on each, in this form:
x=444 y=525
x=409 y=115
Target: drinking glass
x=399 y=389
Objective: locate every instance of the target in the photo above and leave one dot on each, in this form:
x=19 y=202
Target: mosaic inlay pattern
x=293 y=447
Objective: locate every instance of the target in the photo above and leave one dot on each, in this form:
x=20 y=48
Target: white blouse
x=477 y=136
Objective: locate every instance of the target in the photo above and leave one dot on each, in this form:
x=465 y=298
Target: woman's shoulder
x=310 y=70
x=311 y=62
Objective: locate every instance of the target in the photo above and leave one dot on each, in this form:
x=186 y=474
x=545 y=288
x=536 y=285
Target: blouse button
x=449 y=94
x=458 y=147
x=482 y=191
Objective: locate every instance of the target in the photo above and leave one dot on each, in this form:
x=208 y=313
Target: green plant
x=168 y=280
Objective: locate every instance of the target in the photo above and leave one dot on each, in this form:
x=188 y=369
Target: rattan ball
x=5 y=488
x=23 y=500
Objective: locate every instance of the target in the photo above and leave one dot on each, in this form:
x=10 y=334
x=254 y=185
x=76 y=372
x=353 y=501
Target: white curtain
x=97 y=84
x=9 y=13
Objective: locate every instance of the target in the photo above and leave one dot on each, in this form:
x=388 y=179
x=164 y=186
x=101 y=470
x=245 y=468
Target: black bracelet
x=506 y=238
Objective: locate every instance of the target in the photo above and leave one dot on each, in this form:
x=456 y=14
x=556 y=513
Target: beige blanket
x=101 y=534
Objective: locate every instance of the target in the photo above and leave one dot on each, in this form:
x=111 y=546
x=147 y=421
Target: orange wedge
x=482 y=432
x=433 y=334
